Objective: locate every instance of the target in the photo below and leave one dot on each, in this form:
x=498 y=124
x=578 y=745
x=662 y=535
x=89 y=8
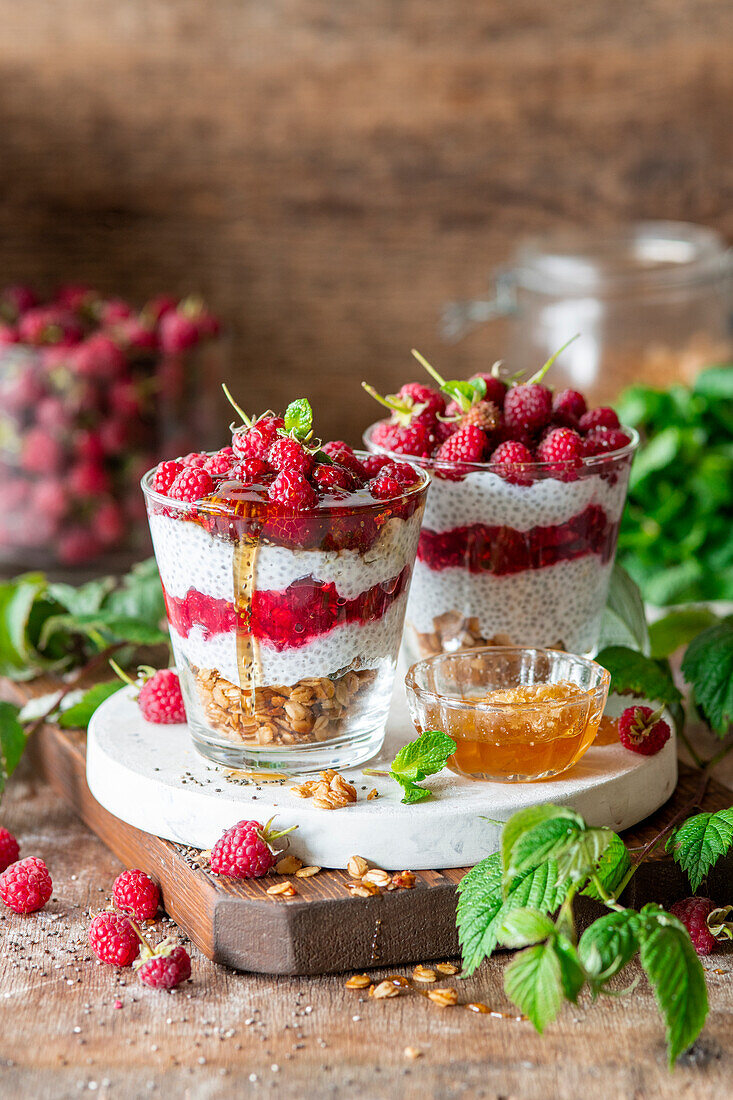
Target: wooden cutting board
x=323 y=929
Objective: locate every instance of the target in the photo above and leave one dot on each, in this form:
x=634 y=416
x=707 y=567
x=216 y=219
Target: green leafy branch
x=522 y=897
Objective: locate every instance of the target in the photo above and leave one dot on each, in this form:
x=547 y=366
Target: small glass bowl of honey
x=516 y=714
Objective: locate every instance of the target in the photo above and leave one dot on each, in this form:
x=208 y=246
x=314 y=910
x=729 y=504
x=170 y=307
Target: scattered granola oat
x=358 y=981
x=412 y=1053
x=423 y=974
x=444 y=998
x=362 y=889
x=357 y=866
x=384 y=989
x=288 y=865
x=282 y=890
x=374 y=793
x=447 y=968
x=377 y=876
x=307 y=872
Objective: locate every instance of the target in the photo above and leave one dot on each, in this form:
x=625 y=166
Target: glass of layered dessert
x=520 y=528
x=286 y=568
x=515 y=714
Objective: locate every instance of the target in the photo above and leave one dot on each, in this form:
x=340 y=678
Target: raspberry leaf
x=676 y=977
x=678 y=629
x=608 y=945
x=524 y=821
x=583 y=853
x=550 y=838
x=699 y=842
x=610 y=870
x=634 y=674
x=299 y=418
x=116 y=627
x=12 y=742
x=624 y=620
x=482 y=906
x=539 y=979
x=80 y=713
x=522 y=927
x=420 y=758
x=708 y=667
x=17 y=600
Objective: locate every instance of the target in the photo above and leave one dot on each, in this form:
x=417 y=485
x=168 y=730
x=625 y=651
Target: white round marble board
x=152 y=777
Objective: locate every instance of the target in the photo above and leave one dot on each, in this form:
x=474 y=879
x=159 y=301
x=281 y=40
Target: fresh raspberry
x=602 y=417
x=49 y=325
x=160 y=698
x=23 y=391
x=8 y=334
x=694 y=913
x=342 y=453
x=98 y=357
x=125 y=399
x=468 y=444
x=443 y=430
x=220 y=463
x=41 y=452
x=88 y=445
x=256 y=441
x=567 y=408
x=191 y=484
x=373 y=464
x=287 y=453
x=513 y=458
x=18 y=299
x=293 y=489
x=133 y=333
x=245 y=850
x=51 y=413
x=135 y=892
x=113 y=939
x=496 y=390
x=88 y=479
x=164 y=476
x=157 y=307
x=75 y=296
x=167 y=967
x=177 y=332
x=9 y=849
x=115 y=434
x=50 y=498
x=26 y=886
x=249 y=471
x=194 y=458
x=417 y=393
x=528 y=406
x=484 y=415
x=562 y=448
x=392 y=480
x=76 y=546
x=108 y=523
x=415 y=440
x=602 y=440
x=642 y=730
x=330 y=478
x=111 y=310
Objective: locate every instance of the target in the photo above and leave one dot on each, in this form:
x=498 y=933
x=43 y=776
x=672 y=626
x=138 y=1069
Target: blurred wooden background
x=328 y=173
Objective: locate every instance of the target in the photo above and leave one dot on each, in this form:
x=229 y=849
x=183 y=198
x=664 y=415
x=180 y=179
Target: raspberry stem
x=546 y=366
x=246 y=420
x=400 y=409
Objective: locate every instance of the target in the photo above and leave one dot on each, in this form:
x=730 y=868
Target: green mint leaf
x=424 y=756
x=18 y=658
x=634 y=674
x=708 y=667
x=482 y=906
x=608 y=945
x=676 y=977
x=533 y=980
x=299 y=418
x=583 y=853
x=12 y=742
x=139 y=595
x=524 y=821
x=611 y=868
x=79 y=714
x=699 y=842
x=83 y=600
x=678 y=629
x=412 y=792
x=549 y=839
x=113 y=627
x=715 y=383
x=522 y=927
x=624 y=619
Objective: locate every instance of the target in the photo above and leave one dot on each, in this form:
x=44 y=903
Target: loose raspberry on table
x=602 y=417
x=167 y=968
x=528 y=406
x=160 y=699
x=164 y=476
x=563 y=448
x=245 y=850
x=26 y=886
x=192 y=483
x=293 y=489
x=468 y=444
x=567 y=408
x=330 y=478
x=9 y=849
x=287 y=453
x=392 y=480
x=113 y=939
x=694 y=913
x=514 y=458
x=343 y=454
x=220 y=463
x=496 y=390
x=643 y=730
x=136 y=893
x=256 y=441
x=603 y=440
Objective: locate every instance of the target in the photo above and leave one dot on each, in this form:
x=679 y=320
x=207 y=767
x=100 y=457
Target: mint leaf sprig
x=548 y=855
x=426 y=755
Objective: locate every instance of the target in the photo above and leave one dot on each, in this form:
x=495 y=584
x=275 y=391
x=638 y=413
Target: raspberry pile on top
x=276 y=461
x=506 y=422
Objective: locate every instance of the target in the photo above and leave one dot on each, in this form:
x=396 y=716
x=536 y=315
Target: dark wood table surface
x=70 y=1026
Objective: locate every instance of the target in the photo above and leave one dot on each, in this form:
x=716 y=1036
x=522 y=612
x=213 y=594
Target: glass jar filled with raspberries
x=286 y=565
x=519 y=535
x=92 y=392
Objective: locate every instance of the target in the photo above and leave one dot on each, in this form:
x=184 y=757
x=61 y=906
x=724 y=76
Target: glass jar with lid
x=651 y=302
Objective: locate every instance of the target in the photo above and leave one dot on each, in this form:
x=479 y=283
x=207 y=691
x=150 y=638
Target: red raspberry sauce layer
x=306 y=609
x=480 y=548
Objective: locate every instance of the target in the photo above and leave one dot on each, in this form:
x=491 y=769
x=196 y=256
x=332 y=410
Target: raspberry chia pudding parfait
x=521 y=523
x=285 y=568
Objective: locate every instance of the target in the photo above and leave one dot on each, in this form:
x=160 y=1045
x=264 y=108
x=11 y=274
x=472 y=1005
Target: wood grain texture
x=328 y=174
